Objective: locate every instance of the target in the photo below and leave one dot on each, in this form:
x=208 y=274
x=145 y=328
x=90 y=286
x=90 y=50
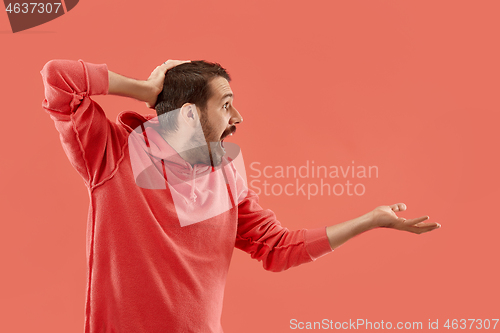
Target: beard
x=205 y=145
x=203 y=153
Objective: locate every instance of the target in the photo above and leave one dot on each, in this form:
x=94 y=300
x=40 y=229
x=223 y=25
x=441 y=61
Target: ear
x=189 y=114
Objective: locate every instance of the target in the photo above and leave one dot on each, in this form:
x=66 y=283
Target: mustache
x=230 y=130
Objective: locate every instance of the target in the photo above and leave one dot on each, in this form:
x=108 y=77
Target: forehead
x=219 y=88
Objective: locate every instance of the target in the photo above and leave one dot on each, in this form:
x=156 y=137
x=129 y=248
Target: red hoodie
x=158 y=252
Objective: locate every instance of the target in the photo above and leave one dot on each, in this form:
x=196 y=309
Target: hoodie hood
x=155 y=163
x=145 y=129
x=199 y=192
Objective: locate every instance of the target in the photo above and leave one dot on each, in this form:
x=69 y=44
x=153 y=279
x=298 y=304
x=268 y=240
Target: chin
x=217 y=152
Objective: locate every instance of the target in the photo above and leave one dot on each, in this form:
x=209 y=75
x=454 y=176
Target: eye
x=226 y=105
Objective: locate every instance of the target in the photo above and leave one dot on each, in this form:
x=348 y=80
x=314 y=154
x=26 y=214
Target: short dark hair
x=186 y=83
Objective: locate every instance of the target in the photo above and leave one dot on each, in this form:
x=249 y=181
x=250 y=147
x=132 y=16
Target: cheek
x=217 y=124
x=220 y=125
x=215 y=130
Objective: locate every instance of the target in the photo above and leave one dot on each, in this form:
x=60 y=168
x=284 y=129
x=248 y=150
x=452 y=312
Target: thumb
x=169 y=64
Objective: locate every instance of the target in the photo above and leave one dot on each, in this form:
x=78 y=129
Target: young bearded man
x=167 y=205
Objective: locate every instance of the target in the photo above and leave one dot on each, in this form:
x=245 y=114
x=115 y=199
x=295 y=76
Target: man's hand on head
x=385 y=216
x=141 y=90
x=156 y=79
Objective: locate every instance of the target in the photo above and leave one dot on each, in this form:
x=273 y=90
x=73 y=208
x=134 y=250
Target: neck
x=189 y=149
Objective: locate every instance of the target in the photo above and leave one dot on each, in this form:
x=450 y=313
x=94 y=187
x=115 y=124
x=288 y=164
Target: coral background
x=409 y=86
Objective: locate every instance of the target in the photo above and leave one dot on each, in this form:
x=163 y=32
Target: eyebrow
x=226 y=96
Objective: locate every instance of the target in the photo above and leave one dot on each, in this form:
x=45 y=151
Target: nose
x=236 y=117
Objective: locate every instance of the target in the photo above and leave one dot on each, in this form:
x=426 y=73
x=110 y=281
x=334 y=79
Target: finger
x=170 y=61
x=174 y=63
x=416 y=220
x=163 y=68
x=399 y=207
x=169 y=64
x=426 y=225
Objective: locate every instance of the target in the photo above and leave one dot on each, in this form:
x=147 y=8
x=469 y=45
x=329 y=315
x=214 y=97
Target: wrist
x=145 y=91
x=339 y=233
x=369 y=221
x=128 y=87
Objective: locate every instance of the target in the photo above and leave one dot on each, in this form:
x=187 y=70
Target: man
x=167 y=206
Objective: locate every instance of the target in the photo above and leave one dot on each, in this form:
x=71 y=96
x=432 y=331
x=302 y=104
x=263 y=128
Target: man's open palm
x=385 y=216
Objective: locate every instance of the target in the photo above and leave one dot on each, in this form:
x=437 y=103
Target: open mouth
x=221 y=142
x=224 y=136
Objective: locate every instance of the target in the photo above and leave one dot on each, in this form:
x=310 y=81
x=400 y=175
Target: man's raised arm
x=93 y=144
x=147 y=90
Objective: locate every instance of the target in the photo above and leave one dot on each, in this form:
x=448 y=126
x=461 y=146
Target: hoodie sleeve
x=262 y=236
x=92 y=143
